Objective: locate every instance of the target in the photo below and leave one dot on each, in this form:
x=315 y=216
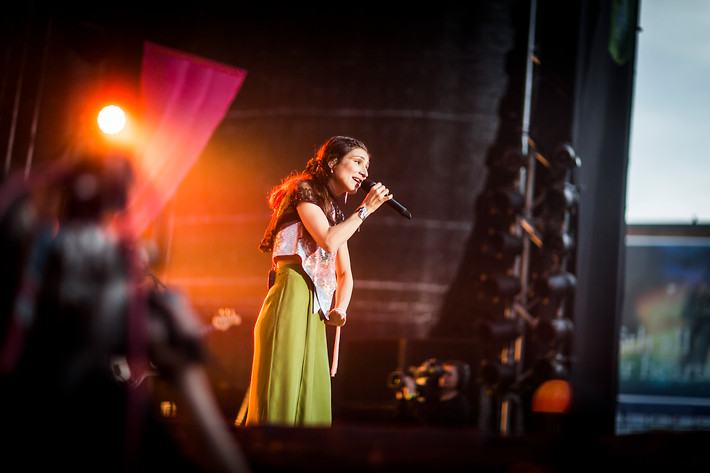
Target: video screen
x=664 y=373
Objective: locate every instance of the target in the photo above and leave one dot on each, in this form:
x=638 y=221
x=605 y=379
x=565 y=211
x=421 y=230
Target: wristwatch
x=362 y=212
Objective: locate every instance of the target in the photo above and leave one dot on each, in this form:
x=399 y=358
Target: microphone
x=367 y=185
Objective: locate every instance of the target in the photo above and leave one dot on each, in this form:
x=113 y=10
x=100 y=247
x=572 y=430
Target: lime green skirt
x=290 y=378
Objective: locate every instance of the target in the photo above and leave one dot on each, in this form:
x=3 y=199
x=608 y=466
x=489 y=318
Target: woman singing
x=311 y=284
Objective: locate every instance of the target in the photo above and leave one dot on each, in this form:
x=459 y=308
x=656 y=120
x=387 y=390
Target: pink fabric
x=185 y=97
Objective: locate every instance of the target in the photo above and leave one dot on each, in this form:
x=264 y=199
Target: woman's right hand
x=377 y=196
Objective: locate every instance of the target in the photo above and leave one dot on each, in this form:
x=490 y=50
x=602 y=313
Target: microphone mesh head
x=367 y=184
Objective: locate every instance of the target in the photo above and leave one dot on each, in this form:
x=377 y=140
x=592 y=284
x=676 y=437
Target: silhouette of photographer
x=433 y=393
x=72 y=301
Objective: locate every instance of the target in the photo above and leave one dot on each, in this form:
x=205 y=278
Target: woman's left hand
x=337 y=317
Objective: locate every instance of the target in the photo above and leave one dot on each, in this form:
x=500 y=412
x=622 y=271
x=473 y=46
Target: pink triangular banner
x=185 y=97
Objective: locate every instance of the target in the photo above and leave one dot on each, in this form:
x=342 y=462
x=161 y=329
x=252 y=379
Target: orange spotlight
x=111 y=119
x=553 y=396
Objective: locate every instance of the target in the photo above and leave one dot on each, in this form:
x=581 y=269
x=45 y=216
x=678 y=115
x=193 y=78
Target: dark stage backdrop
x=421 y=87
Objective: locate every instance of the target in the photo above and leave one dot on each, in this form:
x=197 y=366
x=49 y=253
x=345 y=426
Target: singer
x=311 y=284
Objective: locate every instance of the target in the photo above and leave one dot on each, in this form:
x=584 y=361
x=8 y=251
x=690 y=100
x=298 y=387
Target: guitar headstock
x=225 y=317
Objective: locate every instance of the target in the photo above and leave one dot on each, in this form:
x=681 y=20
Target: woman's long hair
x=317 y=172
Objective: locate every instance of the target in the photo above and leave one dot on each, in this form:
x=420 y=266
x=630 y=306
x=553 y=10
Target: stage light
x=551 y=367
x=564 y=157
x=111 y=119
x=510 y=161
x=558 y=285
x=500 y=244
x=502 y=286
x=495 y=373
x=562 y=199
x=558 y=241
x=552 y=397
x=498 y=332
x=508 y=201
x=554 y=330
x=498 y=208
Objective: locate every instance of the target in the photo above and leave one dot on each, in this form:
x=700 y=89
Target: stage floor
x=392 y=448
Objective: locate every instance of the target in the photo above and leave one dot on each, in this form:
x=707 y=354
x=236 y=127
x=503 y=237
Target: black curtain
x=601 y=133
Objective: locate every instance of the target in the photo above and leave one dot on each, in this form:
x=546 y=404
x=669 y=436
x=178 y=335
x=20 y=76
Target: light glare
x=111 y=119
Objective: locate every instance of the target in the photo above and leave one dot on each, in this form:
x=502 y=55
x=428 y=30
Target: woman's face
x=349 y=173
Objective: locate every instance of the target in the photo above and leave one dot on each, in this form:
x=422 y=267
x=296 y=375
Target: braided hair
x=313 y=180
